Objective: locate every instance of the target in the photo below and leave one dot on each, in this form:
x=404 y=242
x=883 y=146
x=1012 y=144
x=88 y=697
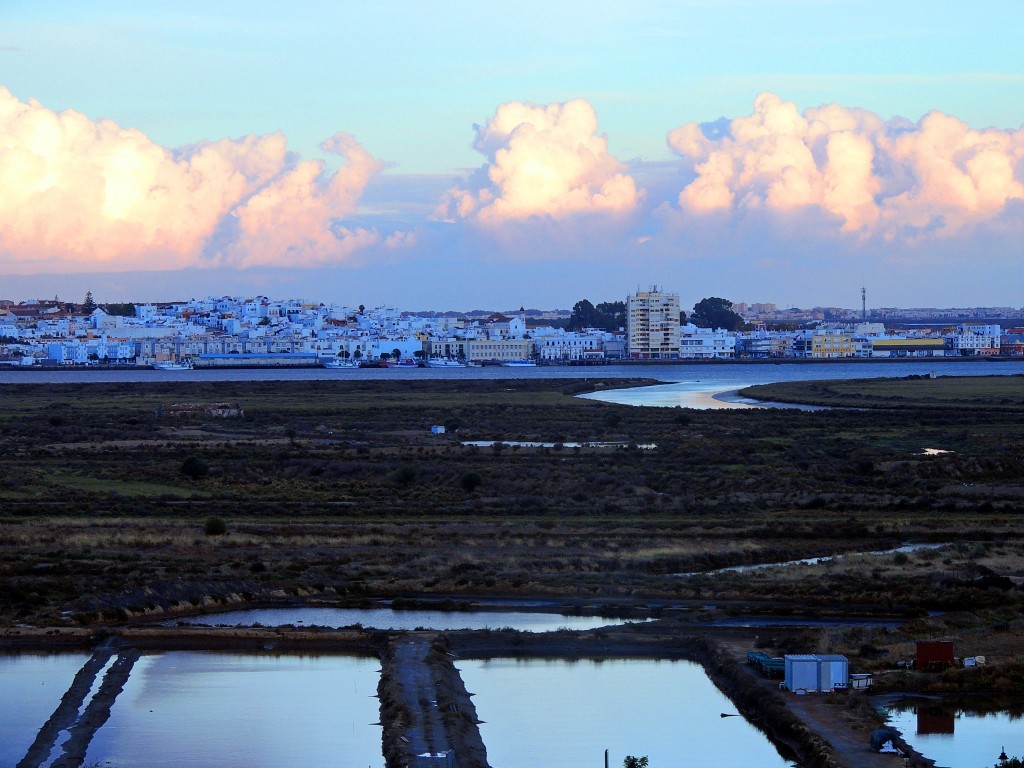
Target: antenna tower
x=863 y=304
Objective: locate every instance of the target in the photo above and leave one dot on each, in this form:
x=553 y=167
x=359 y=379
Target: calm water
x=31 y=687
x=211 y=710
x=563 y=713
x=906 y=548
x=700 y=390
x=957 y=738
x=722 y=376
x=388 y=618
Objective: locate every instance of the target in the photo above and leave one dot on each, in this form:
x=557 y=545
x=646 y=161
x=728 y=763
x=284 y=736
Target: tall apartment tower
x=652 y=325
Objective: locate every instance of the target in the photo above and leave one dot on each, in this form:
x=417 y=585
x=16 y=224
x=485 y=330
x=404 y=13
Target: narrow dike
x=64 y=715
x=97 y=711
x=425 y=710
x=81 y=728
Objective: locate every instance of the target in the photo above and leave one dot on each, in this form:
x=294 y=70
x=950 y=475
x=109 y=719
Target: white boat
x=170 y=365
x=520 y=364
x=444 y=362
x=336 y=363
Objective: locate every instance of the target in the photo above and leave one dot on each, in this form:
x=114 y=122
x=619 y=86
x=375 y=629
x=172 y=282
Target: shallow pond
x=31 y=687
x=958 y=738
x=566 y=713
x=389 y=618
x=260 y=711
x=906 y=548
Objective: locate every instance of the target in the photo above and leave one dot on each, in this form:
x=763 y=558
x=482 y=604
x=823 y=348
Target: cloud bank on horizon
x=894 y=179
x=83 y=195
x=543 y=161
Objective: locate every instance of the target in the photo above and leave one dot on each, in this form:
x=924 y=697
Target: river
x=720 y=376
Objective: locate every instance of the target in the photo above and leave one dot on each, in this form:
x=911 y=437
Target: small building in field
x=812 y=672
x=833 y=671
x=206 y=410
x=437 y=429
x=934 y=654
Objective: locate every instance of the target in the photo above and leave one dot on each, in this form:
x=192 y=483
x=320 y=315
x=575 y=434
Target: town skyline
x=414 y=153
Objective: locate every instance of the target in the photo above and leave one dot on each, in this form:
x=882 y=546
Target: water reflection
x=566 y=713
x=258 y=711
x=389 y=618
x=31 y=689
x=952 y=734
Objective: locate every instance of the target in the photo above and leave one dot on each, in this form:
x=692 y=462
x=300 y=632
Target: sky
x=459 y=155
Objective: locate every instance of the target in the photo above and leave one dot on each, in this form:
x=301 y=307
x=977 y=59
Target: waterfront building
x=502 y=350
x=652 y=325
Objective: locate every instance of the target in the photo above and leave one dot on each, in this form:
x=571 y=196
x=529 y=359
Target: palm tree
x=634 y=762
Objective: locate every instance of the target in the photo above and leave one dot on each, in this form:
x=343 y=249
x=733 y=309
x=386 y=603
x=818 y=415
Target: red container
x=934 y=654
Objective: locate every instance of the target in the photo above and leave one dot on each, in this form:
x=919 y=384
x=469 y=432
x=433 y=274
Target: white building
x=706 y=343
x=652 y=325
x=971 y=340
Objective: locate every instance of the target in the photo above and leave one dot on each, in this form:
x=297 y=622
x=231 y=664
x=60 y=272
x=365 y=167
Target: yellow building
x=504 y=350
x=829 y=345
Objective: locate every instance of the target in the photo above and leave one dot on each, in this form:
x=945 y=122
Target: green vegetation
x=215 y=526
x=714 y=312
x=972 y=393
x=608 y=315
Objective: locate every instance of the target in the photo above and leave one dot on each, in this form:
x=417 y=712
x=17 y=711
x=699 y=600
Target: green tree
x=634 y=762
x=611 y=315
x=194 y=467
x=89 y=304
x=122 y=309
x=608 y=315
x=714 y=312
x=396 y=353
x=583 y=315
x=215 y=526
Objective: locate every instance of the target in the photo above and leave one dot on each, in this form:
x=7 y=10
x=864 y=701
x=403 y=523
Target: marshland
x=121 y=509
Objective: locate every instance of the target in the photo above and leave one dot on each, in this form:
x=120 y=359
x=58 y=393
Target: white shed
x=816 y=672
x=801 y=672
x=833 y=671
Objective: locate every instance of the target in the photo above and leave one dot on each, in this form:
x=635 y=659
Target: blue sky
x=417 y=84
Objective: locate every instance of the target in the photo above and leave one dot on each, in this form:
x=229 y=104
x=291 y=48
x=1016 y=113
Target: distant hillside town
x=647 y=326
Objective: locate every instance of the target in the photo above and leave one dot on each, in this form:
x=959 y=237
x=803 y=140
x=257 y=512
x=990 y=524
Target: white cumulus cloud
x=543 y=161
x=85 y=195
x=892 y=178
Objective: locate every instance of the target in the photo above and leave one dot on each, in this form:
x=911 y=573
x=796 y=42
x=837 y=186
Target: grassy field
x=338 y=490
x=975 y=393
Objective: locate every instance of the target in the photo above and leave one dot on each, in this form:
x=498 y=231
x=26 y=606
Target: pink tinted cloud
x=542 y=161
x=876 y=177
x=84 y=195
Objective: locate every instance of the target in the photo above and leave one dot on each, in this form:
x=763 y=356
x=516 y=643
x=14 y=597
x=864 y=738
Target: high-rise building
x=652 y=325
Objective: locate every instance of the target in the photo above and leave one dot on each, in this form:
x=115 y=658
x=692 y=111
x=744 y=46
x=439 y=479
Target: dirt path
x=425 y=731
x=426 y=712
